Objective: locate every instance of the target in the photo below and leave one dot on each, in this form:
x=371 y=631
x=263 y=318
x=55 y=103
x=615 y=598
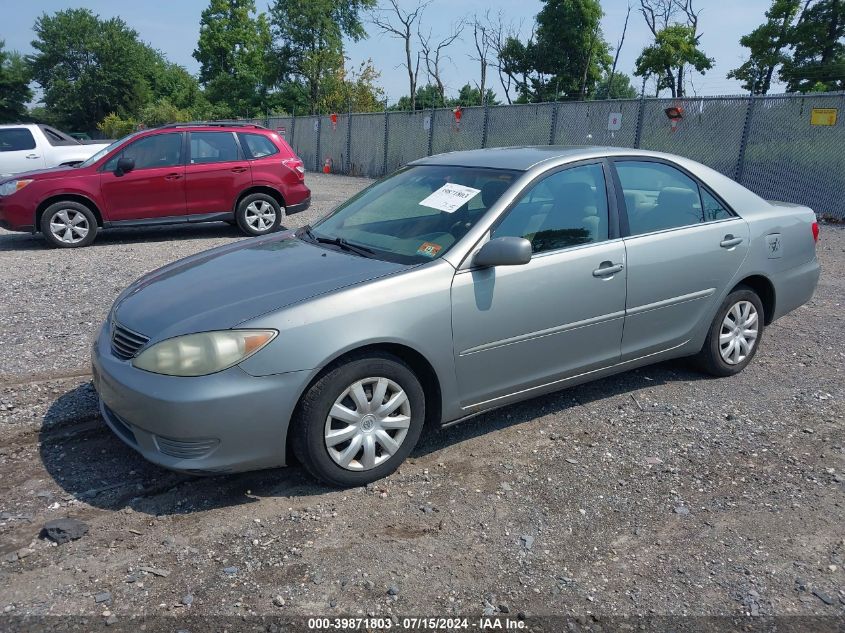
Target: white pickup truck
x=30 y=146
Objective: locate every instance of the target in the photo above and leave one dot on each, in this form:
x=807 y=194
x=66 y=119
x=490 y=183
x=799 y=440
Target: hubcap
x=260 y=215
x=69 y=226
x=739 y=332
x=367 y=423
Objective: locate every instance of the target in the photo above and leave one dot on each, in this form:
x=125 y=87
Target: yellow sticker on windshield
x=429 y=249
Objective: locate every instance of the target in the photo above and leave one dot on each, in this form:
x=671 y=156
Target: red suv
x=191 y=172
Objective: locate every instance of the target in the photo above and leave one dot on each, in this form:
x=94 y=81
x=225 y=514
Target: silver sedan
x=461 y=283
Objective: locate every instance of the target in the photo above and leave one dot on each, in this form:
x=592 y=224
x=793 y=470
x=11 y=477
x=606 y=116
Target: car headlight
x=203 y=353
x=8 y=188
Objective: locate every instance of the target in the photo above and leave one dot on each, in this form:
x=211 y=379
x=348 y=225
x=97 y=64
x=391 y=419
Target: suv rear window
x=213 y=147
x=257 y=145
x=16 y=140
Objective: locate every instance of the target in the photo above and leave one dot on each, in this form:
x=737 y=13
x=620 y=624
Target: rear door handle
x=239 y=170
x=730 y=241
x=173 y=176
x=607 y=269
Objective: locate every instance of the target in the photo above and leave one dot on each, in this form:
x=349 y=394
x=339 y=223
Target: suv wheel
x=259 y=214
x=360 y=421
x=68 y=224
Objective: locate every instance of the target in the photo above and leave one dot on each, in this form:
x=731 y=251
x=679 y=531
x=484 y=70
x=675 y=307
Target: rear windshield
x=16 y=139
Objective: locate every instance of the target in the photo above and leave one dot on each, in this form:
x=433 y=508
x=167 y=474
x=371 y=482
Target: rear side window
x=660 y=197
x=213 y=147
x=257 y=145
x=16 y=140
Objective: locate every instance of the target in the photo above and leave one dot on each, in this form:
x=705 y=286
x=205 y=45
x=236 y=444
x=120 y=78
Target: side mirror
x=504 y=251
x=124 y=165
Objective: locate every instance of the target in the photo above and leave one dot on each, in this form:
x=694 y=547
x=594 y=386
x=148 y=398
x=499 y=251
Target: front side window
x=159 y=150
x=213 y=147
x=16 y=140
x=418 y=213
x=567 y=208
x=258 y=145
x=660 y=197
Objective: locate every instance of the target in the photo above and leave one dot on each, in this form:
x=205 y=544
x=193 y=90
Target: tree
x=14 y=86
x=570 y=48
x=609 y=83
x=355 y=91
x=232 y=50
x=426 y=97
x=498 y=36
x=615 y=86
x=674 y=25
x=471 y=96
x=87 y=67
x=433 y=54
x=308 y=40
x=818 y=40
x=768 y=45
x=481 y=38
x=400 y=23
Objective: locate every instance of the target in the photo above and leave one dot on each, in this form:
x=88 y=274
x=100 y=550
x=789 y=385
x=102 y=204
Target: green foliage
x=233 y=51
x=14 y=86
x=674 y=49
x=617 y=88
x=767 y=45
x=113 y=126
x=356 y=91
x=308 y=43
x=471 y=96
x=818 y=40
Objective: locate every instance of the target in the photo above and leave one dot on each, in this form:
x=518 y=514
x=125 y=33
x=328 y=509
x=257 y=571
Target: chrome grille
x=126 y=343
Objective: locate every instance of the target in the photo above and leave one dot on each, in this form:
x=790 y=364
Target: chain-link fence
x=783 y=147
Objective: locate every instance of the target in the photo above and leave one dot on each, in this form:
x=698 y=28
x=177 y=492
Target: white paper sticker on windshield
x=450 y=197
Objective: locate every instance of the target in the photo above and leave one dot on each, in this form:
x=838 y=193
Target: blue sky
x=173 y=27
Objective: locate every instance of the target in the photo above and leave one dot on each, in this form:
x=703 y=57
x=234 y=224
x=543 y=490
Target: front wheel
x=360 y=421
x=68 y=224
x=259 y=214
x=734 y=335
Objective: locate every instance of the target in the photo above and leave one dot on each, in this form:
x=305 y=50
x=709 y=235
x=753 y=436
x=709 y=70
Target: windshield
x=93 y=159
x=416 y=214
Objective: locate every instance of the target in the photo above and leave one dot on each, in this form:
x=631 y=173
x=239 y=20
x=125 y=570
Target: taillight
x=296 y=165
x=815 y=231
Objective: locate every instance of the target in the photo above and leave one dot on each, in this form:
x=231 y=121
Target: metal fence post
x=431 y=132
x=318 y=124
x=292 y=129
x=553 y=130
x=486 y=122
x=640 y=114
x=740 y=161
x=349 y=144
x=386 y=137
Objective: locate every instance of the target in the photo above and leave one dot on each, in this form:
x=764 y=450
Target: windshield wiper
x=340 y=242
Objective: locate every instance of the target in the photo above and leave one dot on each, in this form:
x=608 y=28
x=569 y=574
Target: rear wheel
x=68 y=224
x=734 y=335
x=360 y=421
x=259 y=214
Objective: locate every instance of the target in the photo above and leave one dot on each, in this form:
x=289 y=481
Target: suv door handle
x=730 y=241
x=607 y=269
x=238 y=170
x=33 y=156
x=173 y=176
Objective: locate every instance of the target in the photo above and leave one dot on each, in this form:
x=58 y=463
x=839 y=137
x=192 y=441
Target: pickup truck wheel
x=258 y=214
x=360 y=421
x=734 y=335
x=68 y=224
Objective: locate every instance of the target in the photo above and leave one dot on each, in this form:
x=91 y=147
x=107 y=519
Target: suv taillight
x=296 y=165
x=815 y=231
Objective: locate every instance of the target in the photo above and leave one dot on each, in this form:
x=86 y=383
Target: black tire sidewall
x=50 y=211
x=714 y=361
x=309 y=423
x=240 y=214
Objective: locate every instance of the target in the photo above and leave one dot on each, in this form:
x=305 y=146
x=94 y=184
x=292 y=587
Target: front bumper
x=15 y=216
x=225 y=422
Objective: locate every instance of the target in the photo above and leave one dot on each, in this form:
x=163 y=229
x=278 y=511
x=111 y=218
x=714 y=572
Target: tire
x=402 y=423
x=68 y=224
x=258 y=214
x=721 y=358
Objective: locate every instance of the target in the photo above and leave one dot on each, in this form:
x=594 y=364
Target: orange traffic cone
x=327 y=166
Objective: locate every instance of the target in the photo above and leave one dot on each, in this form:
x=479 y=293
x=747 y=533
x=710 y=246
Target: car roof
x=524 y=158
x=212 y=126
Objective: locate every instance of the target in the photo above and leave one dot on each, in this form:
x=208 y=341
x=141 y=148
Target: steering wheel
x=461 y=224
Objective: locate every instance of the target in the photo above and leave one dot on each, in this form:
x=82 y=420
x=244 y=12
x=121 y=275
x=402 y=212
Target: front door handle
x=33 y=156
x=173 y=176
x=730 y=241
x=607 y=269
x=238 y=170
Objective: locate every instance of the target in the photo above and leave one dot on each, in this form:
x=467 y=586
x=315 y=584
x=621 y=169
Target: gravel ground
x=656 y=492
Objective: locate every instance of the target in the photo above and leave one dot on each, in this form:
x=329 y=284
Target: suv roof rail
x=213 y=124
